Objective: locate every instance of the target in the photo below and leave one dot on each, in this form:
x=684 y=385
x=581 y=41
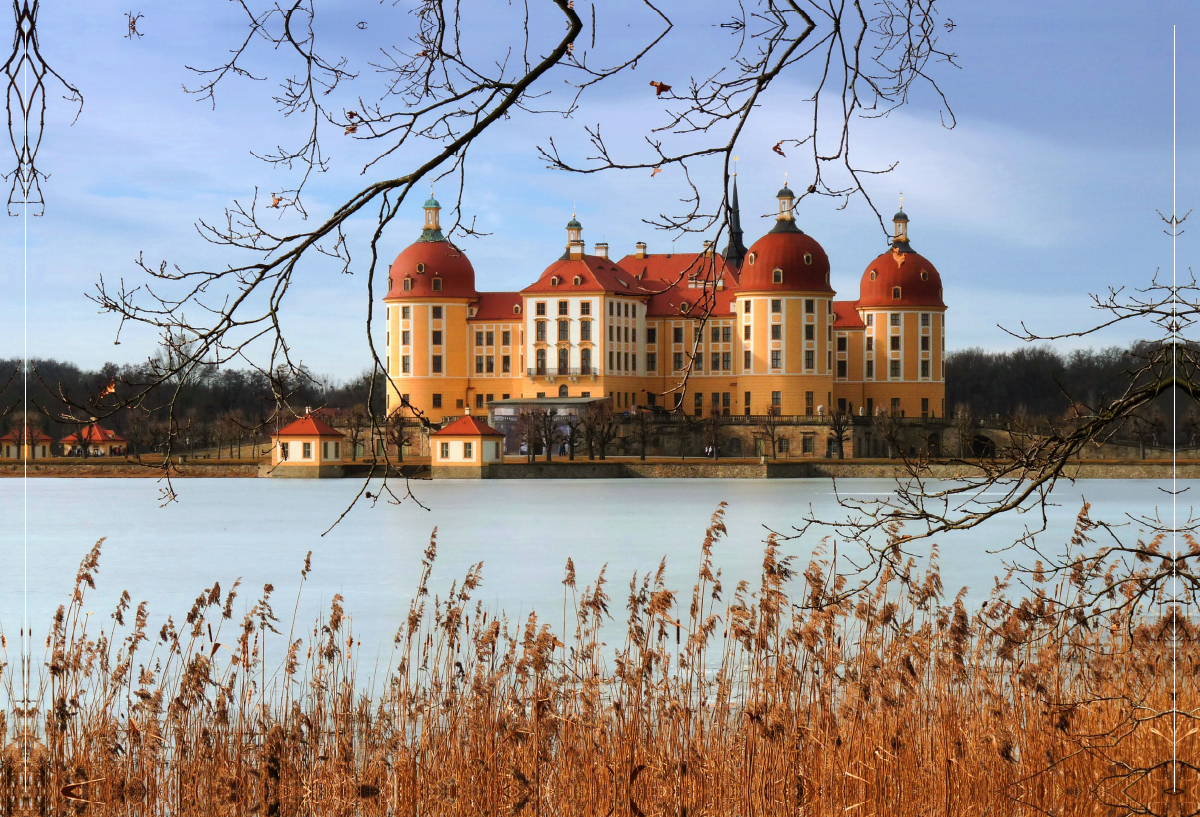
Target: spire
x=900 y=229
x=433 y=226
x=735 y=251
x=785 y=221
x=574 y=237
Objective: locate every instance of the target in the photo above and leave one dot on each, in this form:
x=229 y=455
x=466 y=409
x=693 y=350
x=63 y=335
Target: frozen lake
x=522 y=530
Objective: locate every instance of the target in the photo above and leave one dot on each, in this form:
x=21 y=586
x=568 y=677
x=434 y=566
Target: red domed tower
x=784 y=309
x=430 y=287
x=900 y=301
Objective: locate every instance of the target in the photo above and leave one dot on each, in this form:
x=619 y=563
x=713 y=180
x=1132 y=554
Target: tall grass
x=796 y=696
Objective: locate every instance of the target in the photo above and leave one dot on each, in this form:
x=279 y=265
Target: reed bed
x=795 y=696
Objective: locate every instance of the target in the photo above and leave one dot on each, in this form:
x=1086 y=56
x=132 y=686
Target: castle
x=760 y=329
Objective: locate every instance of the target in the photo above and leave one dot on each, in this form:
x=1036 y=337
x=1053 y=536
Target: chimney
x=602 y=249
x=575 y=250
x=708 y=249
x=641 y=250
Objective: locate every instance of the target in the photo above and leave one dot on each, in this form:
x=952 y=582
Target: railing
x=562 y=371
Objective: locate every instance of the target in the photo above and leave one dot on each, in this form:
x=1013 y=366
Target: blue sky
x=1045 y=191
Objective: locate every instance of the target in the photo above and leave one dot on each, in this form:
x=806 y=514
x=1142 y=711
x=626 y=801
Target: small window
x=924 y=319
x=777 y=276
x=924 y=368
x=841 y=344
x=777 y=306
x=437 y=364
x=873 y=273
x=726 y=334
x=541 y=308
x=445 y=451
x=924 y=275
x=777 y=331
x=810 y=358
x=651 y=334
x=808 y=258
x=610 y=308
x=895 y=343
x=746 y=332
x=307 y=451
x=895 y=293
x=678 y=361
x=283 y=451
x=478 y=338
x=585 y=308
x=506 y=338
x=841 y=368
x=437 y=284
x=553 y=280
x=924 y=343
x=870 y=320
x=405 y=312
x=745 y=360
x=420 y=267
x=895 y=319
x=437 y=313
x=516 y=309
x=506 y=365
x=405 y=364
x=750 y=259
x=895 y=368
x=577 y=280
x=468 y=451
x=777 y=359
x=684 y=306
x=564 y=307
x=870 y=344
x=408 y=285
x=810 y=331
x=810 y=307
x=678 y=334
x=437 y=401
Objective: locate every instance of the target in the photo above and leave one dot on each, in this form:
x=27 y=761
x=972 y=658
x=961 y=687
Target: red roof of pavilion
x=468 y=427
x=30 y=436
x=309 y=426
x=93 y=433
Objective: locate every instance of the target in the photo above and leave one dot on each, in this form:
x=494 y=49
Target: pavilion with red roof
x=25 y=443
x=308 y=447
x=93 y=440
x=465 y=448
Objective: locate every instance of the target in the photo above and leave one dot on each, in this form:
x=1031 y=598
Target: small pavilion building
x=25 y=443
x=466 y=449
x=306 y=448
x=94 y=440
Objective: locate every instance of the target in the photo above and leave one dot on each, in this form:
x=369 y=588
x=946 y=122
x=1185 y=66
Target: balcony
x=552 y=372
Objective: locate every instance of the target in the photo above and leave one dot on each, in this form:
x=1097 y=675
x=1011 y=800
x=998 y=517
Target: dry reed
x=795 y=697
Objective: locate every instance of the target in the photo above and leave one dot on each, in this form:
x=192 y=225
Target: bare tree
x=642 y=418
x=358 y=421
x=768 y=430
x=601 y=427
x=964 y=428
x=713 y=424
x=840 y=423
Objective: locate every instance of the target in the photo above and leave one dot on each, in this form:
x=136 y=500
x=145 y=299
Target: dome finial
x=735 y=165
x=433 y=226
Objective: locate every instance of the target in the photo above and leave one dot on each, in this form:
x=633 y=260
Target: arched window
x=562 y=390
x=516 y=309
x=750 y=259
x=420 y=267
x=408 y=285
x=541 y=361
x=553 y=280
x=895 y=293
x=924 y=275
x=808 y=258
x=578 y=280
x=777 y=276
x=564 y=360
x=437 y=284
x=872 y=275
x=585 y=361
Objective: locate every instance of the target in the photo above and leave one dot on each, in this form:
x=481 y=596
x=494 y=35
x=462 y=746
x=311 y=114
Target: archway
x=983 y=447
x=562 y=390
x=935 y=446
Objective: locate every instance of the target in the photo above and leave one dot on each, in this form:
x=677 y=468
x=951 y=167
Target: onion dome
x=901 y=277
x=786 y=259
x=432 y=266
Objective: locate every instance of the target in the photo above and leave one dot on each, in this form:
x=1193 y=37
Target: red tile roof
x=919 y=282
x=32 y=436
x=497 y=306
x=846 y=315
x=309 y=426
x=439 y=260
x=596 y=274
x=93 y=433
x=468 y=427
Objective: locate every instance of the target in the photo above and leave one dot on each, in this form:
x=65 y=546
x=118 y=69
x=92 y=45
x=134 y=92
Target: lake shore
x=611 y=468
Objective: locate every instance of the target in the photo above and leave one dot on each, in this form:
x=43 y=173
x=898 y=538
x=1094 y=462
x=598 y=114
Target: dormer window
x=808 y=258
x=750 y=258
x=684 y=306
x=437 y=284
x=873 y=273
x=895 y=293
x=420 y=268
x=924 y=275
x=553 y=280
x=578 y=280
x=408 y=285
x=516 y=309
x=777 y=276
